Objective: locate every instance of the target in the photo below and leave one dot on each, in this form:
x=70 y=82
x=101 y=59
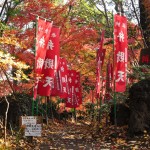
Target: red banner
x=61 y=80
x=63 y=75
x=78 y=91
x=110 y=76
x=43 y=35
x=71 y=89
x=103 y=90
x=99 y=59
x=120 y=45
x=55 y=91
x=109 y=81
x=98 y=84
x=50 y=64
x=102 y=57
x=74 y=92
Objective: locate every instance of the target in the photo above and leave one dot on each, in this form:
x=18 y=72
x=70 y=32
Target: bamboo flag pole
x=100 y=110
x=46 y=103
x=115 y=103
x=36 y=26
x=114 y=76
x=37 y=106
x=37 y=16
x=51 y=107
x=32 y=107
x=97 y=107
x=100 y=95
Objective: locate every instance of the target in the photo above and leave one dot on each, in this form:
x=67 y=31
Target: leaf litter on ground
x=60 y=135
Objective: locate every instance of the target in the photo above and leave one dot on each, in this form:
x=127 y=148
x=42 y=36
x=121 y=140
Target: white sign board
x=33 y=130
x=29 y=120
x=31 y=126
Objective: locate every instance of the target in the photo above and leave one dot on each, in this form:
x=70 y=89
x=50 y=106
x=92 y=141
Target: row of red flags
x=116 y=74
x=53 y=77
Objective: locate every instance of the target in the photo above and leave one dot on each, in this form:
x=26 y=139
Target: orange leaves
x=27 y=57
x=77 y=42
x=7 y=59
x=11 y=40
x=78 y=39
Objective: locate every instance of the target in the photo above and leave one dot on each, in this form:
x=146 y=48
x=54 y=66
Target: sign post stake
x=33 y=107
x=37 y=108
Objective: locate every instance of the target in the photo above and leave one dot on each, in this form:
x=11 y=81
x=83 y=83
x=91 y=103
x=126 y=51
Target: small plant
x=19 y=135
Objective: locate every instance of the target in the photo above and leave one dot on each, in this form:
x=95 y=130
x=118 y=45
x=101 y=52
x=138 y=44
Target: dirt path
x=68 y=137
x=81 y=136
x=84 y=137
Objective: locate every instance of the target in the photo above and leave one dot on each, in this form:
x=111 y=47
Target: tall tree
x=144 y=6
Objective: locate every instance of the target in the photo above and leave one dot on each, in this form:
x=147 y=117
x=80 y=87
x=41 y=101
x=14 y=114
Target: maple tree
x=81 y=23
x=8 y=61
x=71 y=49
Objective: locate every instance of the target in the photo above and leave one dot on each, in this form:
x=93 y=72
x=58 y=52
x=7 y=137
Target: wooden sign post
x=32 y=125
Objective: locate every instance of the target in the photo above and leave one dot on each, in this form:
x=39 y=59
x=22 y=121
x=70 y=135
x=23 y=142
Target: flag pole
x=100 y=110
x=32 y=107
x=46 y=100
x=97 y=108
x=101 y=97
x=74 y=108
x=115 y=103
x=36 y=25
x=37 y=16
x=114 y=95
x=37 y=108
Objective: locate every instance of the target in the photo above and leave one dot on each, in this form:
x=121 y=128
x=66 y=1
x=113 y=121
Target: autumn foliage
x=79 y=38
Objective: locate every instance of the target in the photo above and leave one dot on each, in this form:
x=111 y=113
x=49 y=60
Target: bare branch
x=106 y=13
x=144 y=42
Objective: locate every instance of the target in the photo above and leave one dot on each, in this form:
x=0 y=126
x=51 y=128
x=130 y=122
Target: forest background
x=81 y=23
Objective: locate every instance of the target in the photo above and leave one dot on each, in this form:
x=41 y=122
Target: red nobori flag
x=55 y=91
x=120 y=45
x=78 y=92
x=101 y=45
x=102 y=57
x=98 y=84
x=43 y=35
x=99 y=59
x=50 y=64
x=63 y=76
x=103 y=90
x=110 y=76
x=71 y=100
x=109 y=79
x=61 y=80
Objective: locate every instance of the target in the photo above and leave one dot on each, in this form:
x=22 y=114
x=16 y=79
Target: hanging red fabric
x=99 y=61
x=120 y=52
x=42 y=37
x=74 y=93
x=61 y=80
x=51 y=62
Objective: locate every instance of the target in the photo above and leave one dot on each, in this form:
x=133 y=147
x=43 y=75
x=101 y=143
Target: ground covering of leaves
x=77 y=136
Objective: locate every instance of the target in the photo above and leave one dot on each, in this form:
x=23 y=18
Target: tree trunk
x=5 y=126
x=145 y=20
